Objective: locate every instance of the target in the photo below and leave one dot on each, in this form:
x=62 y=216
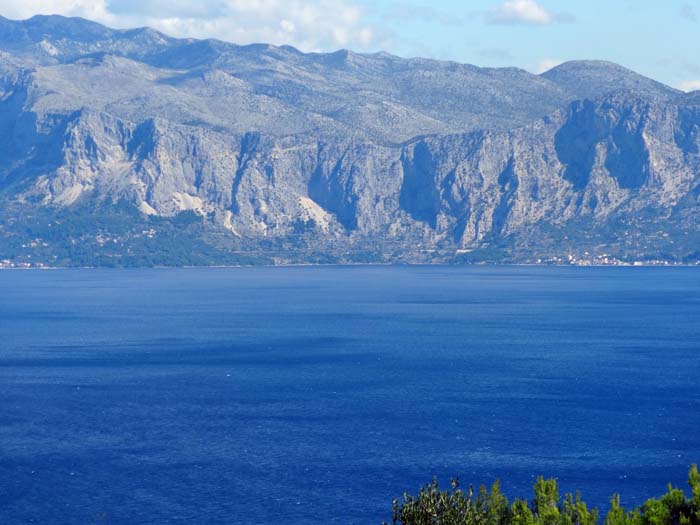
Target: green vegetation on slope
x=433 y=506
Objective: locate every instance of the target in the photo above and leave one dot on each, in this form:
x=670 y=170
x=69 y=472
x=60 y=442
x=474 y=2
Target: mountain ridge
x=339 y=156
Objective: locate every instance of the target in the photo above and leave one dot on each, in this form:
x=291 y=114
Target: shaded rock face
x=261 y=139
x=420 y=191
x=620 y=128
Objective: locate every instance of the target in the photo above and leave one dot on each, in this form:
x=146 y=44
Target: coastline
x=356 y=265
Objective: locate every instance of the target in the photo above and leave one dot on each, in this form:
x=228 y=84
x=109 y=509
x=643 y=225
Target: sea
x=317 y=395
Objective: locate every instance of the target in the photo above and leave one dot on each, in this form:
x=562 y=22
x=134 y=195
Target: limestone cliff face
x=263 y=140
x=593 y=159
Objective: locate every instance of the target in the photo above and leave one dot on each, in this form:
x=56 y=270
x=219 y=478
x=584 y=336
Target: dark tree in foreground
x=433 y=506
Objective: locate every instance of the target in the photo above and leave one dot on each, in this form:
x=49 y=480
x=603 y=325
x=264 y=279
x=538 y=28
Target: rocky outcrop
x=593 y=159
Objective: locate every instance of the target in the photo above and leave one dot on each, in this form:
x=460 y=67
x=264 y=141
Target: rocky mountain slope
x=131 y=147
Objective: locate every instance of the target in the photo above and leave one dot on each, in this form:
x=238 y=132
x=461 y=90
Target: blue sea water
x=317 y=395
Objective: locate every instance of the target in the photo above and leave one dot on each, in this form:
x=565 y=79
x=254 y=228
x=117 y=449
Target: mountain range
x=129 y=147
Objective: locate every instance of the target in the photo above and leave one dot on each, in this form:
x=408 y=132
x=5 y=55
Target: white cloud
x=689 y=85
x=310 y=25
x=522 y=12
x=546 y=64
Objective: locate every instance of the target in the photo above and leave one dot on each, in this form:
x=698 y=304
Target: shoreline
x=356 y=265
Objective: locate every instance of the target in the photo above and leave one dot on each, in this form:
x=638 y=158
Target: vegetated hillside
x=271 y=154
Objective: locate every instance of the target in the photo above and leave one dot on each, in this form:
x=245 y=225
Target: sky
x=658 y=38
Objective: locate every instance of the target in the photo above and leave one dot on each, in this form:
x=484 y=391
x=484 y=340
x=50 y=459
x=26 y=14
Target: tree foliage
x=433 y=506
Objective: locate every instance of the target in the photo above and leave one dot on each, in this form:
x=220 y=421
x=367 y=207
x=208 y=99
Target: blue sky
x=658 y=38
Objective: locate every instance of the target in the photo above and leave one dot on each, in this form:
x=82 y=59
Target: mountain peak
x=18 y=33
x=72 y=27
x=587 y=64
x=594 y=78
